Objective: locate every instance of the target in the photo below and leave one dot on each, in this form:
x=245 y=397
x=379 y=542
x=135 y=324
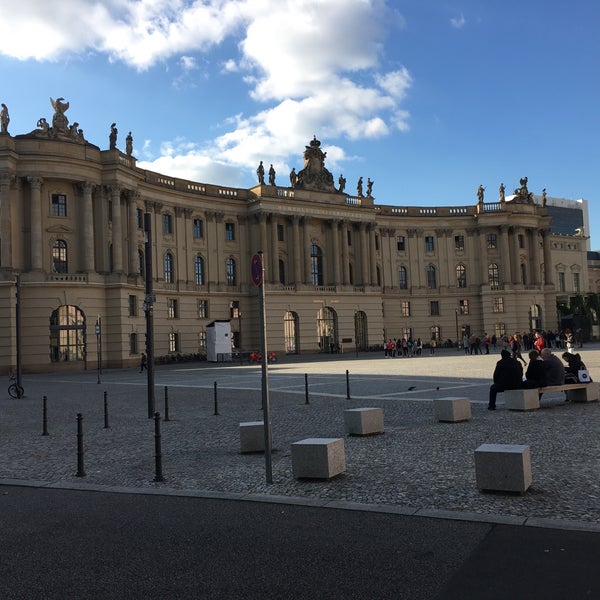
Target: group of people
x=406 y=347
x=544 y=369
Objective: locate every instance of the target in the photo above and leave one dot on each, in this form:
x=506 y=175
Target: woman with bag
x=573 y=369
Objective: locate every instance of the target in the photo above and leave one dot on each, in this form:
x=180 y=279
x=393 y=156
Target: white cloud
x=458 y=22
x=314 y=67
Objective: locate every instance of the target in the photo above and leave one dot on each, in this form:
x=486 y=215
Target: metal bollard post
x=216 y=401
x=158 y=476
x=45 y=416
x=347 y=385
x=306 y=388
x=166 y=404
x=106 y=425
x=80 y=469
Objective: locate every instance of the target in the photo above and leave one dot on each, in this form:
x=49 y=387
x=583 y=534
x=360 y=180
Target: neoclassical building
x=340 y=270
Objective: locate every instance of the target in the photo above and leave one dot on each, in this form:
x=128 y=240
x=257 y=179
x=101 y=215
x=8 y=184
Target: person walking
x=143 y=362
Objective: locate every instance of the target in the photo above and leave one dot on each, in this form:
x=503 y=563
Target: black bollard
x=166 y=404
x=106 y=425
x=216 y=401
x=306 y=388
x=347 y=385
x=45 y=416
x=158 y=476
x=80 y=470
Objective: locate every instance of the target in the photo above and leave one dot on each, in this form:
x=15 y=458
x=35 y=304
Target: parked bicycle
x=14 y=389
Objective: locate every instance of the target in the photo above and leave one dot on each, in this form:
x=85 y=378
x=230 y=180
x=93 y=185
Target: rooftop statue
x=314 y=175
x=60 y=123
x=480 y=191
x=359 y=187
x=369 y=188
x=129 y=144
x=501 y=190
x=341 y=184
x=293 y=177
x=4 y=119
x=271 y=175
x=522 y=194
x=112 y=138
x=60 y=128
x=544 y=199
x=260 y=173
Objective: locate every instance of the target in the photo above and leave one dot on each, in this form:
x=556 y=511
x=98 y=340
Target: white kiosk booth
x=218 y=341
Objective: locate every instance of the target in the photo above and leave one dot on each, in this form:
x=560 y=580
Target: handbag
x=583 y=375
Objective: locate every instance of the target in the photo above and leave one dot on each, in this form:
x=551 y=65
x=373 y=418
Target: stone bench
x=318 y=458
x=451 y=409
x=529 y=399
x=503 y=467
x=363 y=421
x=252 y=436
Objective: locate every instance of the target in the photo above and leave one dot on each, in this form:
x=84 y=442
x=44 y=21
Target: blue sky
x=428 y=98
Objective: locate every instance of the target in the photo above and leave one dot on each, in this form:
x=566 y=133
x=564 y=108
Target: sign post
x=257 y=272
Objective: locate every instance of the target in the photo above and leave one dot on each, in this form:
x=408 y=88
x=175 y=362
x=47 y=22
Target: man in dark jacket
x=555 y=370
x=535 y=376
x=508 y=375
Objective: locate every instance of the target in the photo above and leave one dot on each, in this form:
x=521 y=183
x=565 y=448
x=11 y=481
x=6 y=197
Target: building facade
x=340 y=271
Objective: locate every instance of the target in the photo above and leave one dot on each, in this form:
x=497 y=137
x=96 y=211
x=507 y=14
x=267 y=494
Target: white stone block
x=503 y=467
x=252 y=436
x=452 y=410
x=363 y=421
x=522 y=399
x=589 y=393
x=318 y=458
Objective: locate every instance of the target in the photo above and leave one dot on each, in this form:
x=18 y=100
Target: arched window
x=60 y=263
x=493 y=275
x=431 y=277
x=67 y=334
x=290 y=332
x=169 y=268
x=199 y=270
x=327 y=330
x=361 y=339
x=316 y=265
x=461 y=276
x=230 y=272
x=403 y=278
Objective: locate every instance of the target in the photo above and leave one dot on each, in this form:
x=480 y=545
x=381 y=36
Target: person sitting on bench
x=508 y=375
x=555 y=370
x=535 y=376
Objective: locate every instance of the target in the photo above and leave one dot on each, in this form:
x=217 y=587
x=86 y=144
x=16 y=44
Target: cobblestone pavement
x=416 y=466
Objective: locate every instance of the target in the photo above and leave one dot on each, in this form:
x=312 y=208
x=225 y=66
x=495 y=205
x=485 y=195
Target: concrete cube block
x=589 y=393
x=318 y=458
x=252 y=436
x=522 y=399
x=452 y=410
x=363 y=421
x=503 y=467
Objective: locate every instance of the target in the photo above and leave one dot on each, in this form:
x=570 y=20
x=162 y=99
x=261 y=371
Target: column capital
x=35 y=182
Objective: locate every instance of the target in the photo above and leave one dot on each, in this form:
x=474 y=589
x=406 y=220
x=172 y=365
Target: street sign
x=257 y=270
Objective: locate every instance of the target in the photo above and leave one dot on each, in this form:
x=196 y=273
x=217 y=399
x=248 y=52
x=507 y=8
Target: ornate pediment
x=59 y=229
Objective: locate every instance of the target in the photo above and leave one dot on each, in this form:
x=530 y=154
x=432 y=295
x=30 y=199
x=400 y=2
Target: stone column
x=345 y=254
x=274 y=250
x=514 y=255
x=5 y=221
x=364 y=254
x=483 y=257
x=117 y=229
x=36 y=223
x=415 y=257
x=306 y=251
x=548 y=265
x=335 y=233
x=88 y=227
x=373 y=254
x=297 y=249
x=132 y=200
x=535 y=257
x=505 y=249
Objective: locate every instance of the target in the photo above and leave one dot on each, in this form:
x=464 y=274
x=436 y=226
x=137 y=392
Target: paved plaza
x=417 y=467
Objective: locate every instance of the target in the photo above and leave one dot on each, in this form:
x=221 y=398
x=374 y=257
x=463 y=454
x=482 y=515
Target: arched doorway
x=67 y=334
x=360 y=330
x=290 y=332
x=327 y=331
x=535 y=317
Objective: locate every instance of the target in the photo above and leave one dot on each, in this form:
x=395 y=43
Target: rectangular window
x=377 y=243
x=434 y=308
x=133 y=310
x=521 y=239
x=349 y=232
x=459 y=242
x=203 y=309
x=110 y=211
x=401 y=243
x=492 y=241
x=202 y=342
x=463 y=306
x=498 y=305
x=139 y=218
x=167 y=224
x=173 y=342
x=172 y=308
x=230 y=232
x=198 y=228
x=59 y=205
x=405 y=308
x=576 y=283
x=280 y=233
x=133 y=345
x=429 y=243
x=561 y=281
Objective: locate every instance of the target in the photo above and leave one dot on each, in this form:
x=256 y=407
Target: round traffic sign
x=257 y=270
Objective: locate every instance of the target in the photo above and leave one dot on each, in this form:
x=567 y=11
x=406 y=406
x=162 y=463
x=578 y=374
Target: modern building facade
x=340 y=271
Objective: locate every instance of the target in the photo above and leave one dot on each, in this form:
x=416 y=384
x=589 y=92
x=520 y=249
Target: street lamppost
x=98 y=330
x=456 y=317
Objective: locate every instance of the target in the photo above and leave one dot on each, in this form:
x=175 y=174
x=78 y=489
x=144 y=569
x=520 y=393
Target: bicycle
x=14 y=389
